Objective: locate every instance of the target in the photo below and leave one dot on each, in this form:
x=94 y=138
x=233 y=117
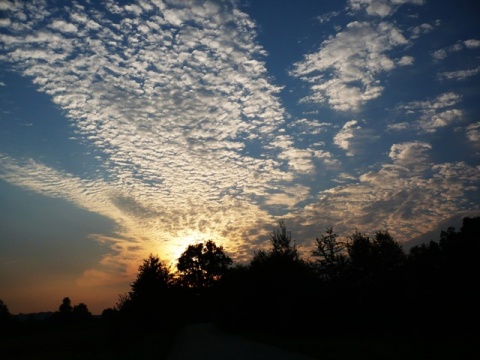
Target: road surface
x=206 y=342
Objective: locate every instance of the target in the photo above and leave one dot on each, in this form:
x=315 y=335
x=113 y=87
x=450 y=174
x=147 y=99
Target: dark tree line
x=367 y=283
x=364 y=284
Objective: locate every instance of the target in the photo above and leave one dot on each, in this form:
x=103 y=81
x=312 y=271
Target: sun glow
x=179 y=243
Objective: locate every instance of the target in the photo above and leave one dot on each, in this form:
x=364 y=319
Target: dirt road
x=206 y=342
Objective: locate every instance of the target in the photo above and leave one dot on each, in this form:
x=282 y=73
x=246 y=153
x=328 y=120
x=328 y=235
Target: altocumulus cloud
x=175 y=100
x=404 y=196
x=171 y=95
x=345 y=72
x=430 y=115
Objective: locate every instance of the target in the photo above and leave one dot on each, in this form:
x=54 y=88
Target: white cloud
x=6 y=5
x=407 y=196
x=440 y=119
x=63 y=26
x=345 y=178
x=344 y=137
x=328 y=16
x=411 y=155
x=291 y=198
x=431 y=114
x=472 y=43
x=326 y=157
x=442 y=53
x=473 y=132
x=381 y=8
x=300 y=160
x=305 y=127
x=406 y=60
x=398 y=126
x=177 y=99
x=439 y=54
x=352 y=137
x=172 y=113
x=459 y=74
x=5 y=23
x=345 y=71
x=421 y=29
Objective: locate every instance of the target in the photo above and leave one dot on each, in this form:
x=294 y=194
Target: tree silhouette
x=446 y=275
x=201 y=265
x=283 y=253
x=374 y=256
x=329 y=254
x=377 y=287
x=123 y=302
x=148 y=306
x=153 y=277
x=278 y=282
x=5 y=315
x=282 y=243
x=66 y=306
x=149 y=290
x=81 y=312
x=375 y=279
x=68 y=315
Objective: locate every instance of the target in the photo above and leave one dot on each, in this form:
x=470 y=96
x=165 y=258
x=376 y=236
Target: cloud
x=406 y=60
x=63 y=26
x=412 y=155
x=439 y=54
x=352 y=136
x=345 y=178
x=401 y=126
x=291 y=198
x=5 y=5
x=328 y=16
x=304 y=127
x=442 y=53
x=177 y=101
x=473 y=132
x=472 y=43
x=381 y=8
x=431 y=114
x=459 y=74
x=407 y=196
x=343 y=138
x=300 y=160
x=175 y=98
x=345 y=70
x=424 y=28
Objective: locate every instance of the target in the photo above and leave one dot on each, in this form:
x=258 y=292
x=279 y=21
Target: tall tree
x=282 y=242
x=329 y=254
x=377 y=255
x=153 y=279
x=278 y=281
x=202 y=264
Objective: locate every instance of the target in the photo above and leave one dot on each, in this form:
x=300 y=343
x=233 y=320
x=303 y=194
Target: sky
x=130 y=128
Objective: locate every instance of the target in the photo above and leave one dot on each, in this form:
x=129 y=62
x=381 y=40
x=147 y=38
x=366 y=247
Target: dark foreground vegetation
x=360 y=299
